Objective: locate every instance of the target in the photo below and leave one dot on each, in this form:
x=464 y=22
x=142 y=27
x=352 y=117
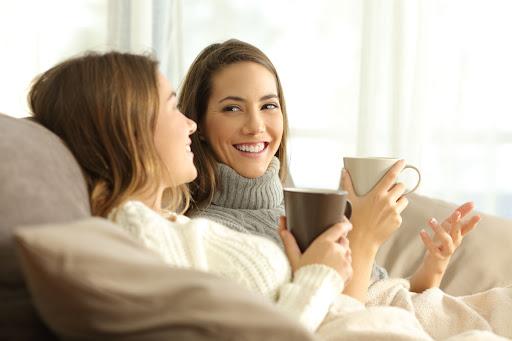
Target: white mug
x=366 y=172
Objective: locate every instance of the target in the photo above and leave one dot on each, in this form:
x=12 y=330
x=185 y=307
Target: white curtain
x=149 y=26
x=35 y=35
x=435 y=89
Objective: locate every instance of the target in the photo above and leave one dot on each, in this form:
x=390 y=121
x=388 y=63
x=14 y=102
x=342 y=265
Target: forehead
x=163 y=83
x=244 y=79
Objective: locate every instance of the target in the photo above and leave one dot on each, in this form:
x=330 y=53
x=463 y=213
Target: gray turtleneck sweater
x=253 y=205
x=248 y=205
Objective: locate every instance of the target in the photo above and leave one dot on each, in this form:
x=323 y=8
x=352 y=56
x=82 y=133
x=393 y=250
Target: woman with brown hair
x=118 y=116
x=233 y=92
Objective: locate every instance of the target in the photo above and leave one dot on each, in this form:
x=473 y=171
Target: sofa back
x=40 y=182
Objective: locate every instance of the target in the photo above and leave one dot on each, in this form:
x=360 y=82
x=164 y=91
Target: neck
x=154 y=200
x=238 y=192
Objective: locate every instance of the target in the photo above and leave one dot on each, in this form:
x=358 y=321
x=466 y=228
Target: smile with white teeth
x=251 y=148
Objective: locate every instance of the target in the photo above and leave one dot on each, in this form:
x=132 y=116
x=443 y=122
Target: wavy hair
x=104 y=107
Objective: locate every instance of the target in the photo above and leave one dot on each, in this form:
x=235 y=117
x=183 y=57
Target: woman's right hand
x=331 y=248
x=376 y=215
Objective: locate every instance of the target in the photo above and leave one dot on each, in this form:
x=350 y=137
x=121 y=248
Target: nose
x=255 y=124
x=192 y=126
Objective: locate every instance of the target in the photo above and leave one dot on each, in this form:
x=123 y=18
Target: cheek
x=276 y=127
x=219 y=132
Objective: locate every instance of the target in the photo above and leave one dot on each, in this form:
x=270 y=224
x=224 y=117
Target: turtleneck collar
x=238 y=192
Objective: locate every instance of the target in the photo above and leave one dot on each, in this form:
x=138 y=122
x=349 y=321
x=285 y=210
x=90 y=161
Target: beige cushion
x=90 y=280
x=40 y=182
x=481 y=262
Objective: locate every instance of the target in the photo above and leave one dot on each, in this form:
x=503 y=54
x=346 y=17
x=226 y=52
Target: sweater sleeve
x=310 y=294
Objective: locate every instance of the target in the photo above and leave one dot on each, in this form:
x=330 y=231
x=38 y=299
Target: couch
x=88 y=280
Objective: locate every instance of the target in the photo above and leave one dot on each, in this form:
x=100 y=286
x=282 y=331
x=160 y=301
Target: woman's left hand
x=447 y=238
x=449 y=234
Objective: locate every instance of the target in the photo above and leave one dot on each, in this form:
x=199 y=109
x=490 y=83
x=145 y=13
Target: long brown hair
x=104 y=107
x=193 y=102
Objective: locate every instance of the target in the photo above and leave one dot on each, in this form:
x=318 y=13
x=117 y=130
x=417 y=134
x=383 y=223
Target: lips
x=188 y=147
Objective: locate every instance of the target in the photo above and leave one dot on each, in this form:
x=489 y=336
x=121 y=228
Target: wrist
x=361 y=244
x=435 y=265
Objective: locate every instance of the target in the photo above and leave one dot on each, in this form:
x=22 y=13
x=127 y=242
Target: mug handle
x=348 y=209
x=419 y=178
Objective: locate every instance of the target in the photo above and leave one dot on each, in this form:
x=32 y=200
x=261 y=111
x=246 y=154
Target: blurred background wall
x=425 y=80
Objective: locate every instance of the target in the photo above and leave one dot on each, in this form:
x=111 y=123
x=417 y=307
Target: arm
x=375 y=216
x=447 y=238
x=318 y=275
x=310 y=294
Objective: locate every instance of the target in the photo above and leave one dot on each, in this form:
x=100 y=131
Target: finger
x=447 y=222
x=348 y=256
x=454 y=228
x=397 y=191
x=470 y=225
x=465 y=208
x=440 y=233
x=343 y=242
x=390 y=178
x=282 y=224
x=454 y=217
x=346 y=183
x=335 y=232
x=401 y=204
x=290 y=245
x=429 y=244
x=347 y=226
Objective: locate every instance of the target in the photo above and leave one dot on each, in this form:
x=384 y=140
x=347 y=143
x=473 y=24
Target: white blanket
x=394 y=313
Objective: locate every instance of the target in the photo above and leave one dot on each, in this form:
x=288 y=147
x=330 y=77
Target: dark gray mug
x=309 y=212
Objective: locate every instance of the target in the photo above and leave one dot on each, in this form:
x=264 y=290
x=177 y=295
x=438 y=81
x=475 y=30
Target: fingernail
x=433 y=221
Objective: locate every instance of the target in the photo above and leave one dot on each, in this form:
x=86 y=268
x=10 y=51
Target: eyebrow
x=172 y=94
x=240 y=99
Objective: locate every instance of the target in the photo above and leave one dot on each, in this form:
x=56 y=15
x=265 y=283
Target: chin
x=252 y=173
x=252 y=170
x=193 y=176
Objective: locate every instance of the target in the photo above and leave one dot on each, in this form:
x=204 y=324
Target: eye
x=231 y=108
x=269 y=106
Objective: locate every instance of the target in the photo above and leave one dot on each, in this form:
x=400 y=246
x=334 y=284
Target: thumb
x=290 y=244
x=346 y=183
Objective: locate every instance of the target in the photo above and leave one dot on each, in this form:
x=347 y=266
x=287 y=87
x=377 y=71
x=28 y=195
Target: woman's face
x=172 y=137
x=244 y=122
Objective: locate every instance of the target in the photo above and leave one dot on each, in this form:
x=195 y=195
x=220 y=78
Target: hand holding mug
x=377 y=214
x=310 y=212
x=331 y=248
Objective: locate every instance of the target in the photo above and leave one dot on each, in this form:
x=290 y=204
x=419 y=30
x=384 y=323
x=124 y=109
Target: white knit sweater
x=254 y=262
